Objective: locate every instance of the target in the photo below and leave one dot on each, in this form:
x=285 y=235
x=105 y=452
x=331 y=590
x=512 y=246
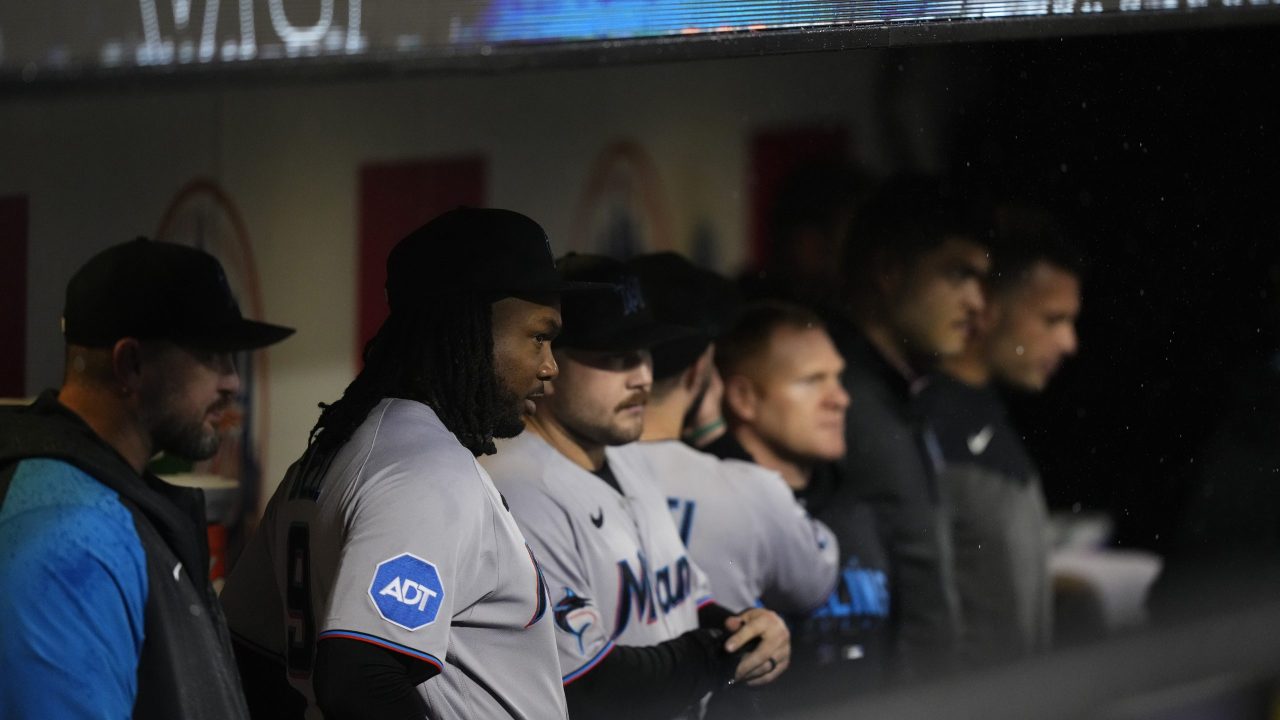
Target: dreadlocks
x=439 y=353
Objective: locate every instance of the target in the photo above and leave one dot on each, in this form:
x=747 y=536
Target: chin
x=625 y=435
x=509 y=427
x=829 y=454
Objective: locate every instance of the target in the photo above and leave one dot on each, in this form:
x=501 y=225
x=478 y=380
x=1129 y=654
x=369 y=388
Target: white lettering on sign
x=184 y=42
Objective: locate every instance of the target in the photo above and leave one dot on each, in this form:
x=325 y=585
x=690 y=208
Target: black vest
x=186 y=670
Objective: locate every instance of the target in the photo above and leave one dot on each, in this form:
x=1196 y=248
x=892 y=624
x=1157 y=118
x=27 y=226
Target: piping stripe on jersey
x=540 y=587
x=382 y=643
x=604 y=652
x=703 y=602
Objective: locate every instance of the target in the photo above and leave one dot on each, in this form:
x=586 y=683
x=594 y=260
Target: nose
x=839 y=397
x=1070 y=341
x=973 y=296
x=547 y=368
x=641 y=376
x=228 y=376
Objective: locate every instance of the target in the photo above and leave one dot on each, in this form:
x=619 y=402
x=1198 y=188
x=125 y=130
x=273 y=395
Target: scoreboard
x=67 y=39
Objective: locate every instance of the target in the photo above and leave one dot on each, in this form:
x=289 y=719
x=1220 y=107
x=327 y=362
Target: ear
x=741 y=398
x=126 y=364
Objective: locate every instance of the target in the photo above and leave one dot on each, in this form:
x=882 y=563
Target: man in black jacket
x=914 y=264
x=786 y=407
x=104 y=575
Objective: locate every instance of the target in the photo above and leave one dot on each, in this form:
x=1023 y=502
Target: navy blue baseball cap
x=681 y=293
x=496 y=253
x=615 y=319
x=153 y=290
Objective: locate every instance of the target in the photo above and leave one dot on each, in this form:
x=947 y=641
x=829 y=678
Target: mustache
x=640 y=397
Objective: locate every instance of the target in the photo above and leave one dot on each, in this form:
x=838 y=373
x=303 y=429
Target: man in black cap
x=104 y=575
x=638 y=633
x=388 y=579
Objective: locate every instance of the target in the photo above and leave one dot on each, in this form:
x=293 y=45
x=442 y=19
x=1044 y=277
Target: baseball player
x=388 y=578
x=636 y=628
x=741 y=523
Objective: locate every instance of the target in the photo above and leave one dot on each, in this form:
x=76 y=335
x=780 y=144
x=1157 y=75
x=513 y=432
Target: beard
x=600 y=428
x=508 y=418
x=188 y=439
x=175 y=428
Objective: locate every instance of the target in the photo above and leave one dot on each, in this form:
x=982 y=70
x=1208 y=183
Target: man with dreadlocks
x=388 y=578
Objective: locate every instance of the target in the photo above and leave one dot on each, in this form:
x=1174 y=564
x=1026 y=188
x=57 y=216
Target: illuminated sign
x=38 y=40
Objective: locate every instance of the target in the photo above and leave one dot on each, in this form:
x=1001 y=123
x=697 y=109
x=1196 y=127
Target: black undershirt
x=352 y=680
x=605 y=473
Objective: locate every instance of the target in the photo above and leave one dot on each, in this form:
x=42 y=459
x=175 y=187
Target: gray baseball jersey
x=744 y=528
x=616 y=569
x=402 y=541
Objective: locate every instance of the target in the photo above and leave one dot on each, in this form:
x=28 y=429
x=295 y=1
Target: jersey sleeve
x=583 y=633
x=73 y=588
x=801 y=553
x=251 y=599
x=413 y=545
x=702 y=593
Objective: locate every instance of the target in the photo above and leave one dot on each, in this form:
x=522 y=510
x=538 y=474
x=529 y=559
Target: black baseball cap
x=681 y=293
x=153 y=290
x=497 y=253
x=613 y=319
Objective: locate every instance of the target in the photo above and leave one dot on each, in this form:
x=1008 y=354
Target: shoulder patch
x=407 y=591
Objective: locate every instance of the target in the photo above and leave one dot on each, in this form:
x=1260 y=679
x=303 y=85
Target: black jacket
x=892 y=464
x=186 y=668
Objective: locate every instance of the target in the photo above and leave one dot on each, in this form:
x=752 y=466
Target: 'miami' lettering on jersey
x=670 y=586
x=682 y=512
x=860 y=593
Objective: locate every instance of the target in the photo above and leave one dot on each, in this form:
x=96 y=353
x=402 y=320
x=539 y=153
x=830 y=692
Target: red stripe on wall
x=13 y=296
x=775 y=155
x=396 y=198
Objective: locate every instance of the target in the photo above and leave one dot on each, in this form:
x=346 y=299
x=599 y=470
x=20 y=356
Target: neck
x=795 y=472
x=578 y=450
x=890 y=346
x=968 y=367
x=664 y=419
x=111 y=420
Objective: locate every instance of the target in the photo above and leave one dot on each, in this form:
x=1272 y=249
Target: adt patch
x=407 y=591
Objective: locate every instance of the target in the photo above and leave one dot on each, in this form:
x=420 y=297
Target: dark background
x=1160 y=153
